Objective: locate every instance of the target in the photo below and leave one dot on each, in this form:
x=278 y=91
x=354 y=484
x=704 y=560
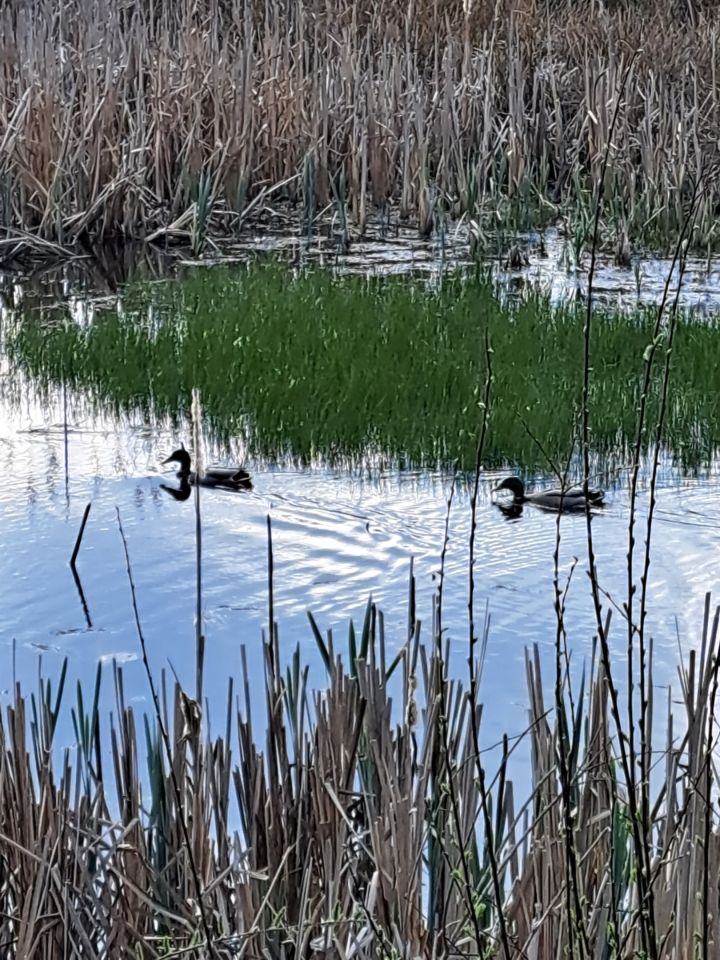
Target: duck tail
x=243 y=479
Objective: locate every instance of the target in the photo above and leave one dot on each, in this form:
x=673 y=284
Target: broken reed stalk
x=78 y=540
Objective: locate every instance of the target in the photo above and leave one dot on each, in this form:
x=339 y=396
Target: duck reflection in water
x=178 y=493
x=510 y=511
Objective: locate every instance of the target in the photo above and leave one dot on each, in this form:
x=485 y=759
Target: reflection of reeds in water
x=333 y=831
x=175 y=120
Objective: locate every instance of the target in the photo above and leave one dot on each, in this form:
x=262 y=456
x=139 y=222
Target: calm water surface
x=339 y=537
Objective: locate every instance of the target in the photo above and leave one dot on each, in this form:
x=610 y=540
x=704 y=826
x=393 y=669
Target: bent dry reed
x=179 y=121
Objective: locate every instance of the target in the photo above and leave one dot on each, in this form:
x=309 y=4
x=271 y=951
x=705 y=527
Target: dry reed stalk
x=325 y=833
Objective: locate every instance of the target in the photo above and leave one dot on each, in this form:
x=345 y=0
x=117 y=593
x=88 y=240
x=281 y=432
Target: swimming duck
x=569 y=500
x=231 y=478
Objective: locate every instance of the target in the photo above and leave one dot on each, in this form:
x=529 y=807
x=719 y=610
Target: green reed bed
x=303 y=365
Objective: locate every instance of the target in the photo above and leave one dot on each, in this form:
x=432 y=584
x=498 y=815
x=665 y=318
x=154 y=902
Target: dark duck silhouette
x=229 y=478
x=572 y=500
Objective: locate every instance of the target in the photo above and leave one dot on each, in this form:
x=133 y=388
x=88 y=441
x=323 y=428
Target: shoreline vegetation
x=354 y=823
x=181 y=122
x=370 y=829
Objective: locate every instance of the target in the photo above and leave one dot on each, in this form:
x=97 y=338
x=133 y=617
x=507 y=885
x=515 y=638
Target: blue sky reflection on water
x=338 y=538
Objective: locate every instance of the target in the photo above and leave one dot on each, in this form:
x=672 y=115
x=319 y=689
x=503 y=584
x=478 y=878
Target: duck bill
x=169 y=460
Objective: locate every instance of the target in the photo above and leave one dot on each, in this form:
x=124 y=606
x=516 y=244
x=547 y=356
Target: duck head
x=181 y=457
x=515 y=486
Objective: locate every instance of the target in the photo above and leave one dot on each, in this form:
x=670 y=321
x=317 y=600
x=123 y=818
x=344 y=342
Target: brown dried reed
x=148 y=120
x=330 y=833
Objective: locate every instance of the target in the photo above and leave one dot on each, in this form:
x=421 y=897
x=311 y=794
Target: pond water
x=548 y=264
x=340 y=535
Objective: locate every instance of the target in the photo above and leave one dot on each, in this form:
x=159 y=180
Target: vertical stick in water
x=199 y=633
x=81 y=531
x=273 y=650
x=65 y=442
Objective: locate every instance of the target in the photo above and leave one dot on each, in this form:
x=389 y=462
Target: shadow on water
x=511 y=511
x=81 y=594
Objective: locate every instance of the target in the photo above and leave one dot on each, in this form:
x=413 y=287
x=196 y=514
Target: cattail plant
x=114 y=136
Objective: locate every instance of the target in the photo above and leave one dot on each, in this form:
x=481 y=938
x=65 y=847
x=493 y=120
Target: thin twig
x=168 y=750
x=472 y=639
x=443 y=555
x=199 y=628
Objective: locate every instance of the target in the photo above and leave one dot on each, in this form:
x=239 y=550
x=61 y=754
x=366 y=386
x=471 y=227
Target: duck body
x=567 y=501
x=230 y=478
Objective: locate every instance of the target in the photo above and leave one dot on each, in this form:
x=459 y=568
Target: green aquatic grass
x=306 y=366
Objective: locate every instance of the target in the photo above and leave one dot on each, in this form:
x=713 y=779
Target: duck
x=564 y=500
x=230 y=478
